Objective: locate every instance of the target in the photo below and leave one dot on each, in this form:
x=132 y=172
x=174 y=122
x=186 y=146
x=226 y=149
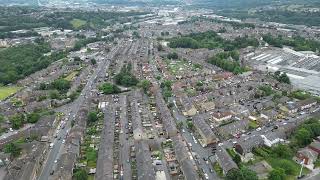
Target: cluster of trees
x=18 y=120
x=241 y=174
x=13 y=149
x=82 y=42
x=297 y=42
x=166 y=89
x=306 y=133
x=125 y=77
x=282 y=77
x=265 y=90
x=228 y=61
x=16 y=35
x=21 y=61
x=211 y=40
x=145 y=85
x=60 y=84
x=108 y=88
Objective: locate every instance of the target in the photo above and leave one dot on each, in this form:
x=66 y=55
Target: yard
x=291 y=168
x=6 y=91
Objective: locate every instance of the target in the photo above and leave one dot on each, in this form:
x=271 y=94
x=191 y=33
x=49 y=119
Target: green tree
x=80 y=174
x=108 y=88
x=145 y=85
x=303 y=137
x=283 y=151
x=277 y=174
x=92 y=116
x=17 y=121
x=237 y=159
x=33 y=117
x=241 y=174
x=93 y=61
x=287 y=166
x=13 y=149
x=61 y=84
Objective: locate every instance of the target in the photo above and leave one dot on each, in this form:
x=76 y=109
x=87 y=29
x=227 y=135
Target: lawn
x=71 y=76
x=77 y=23
x=278 y=163
x=6 y=91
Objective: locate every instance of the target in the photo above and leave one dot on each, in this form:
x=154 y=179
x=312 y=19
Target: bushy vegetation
x=297 y=42
x=228 y=61
x=145 y=85
x=125 y=77
x=241 y=174
x=166 y=89
x=13 y=149
x=93 y=117
x=282 y=77
x=108 y=88
x=4 y=35
x=172 y=55
x=62 y=85
x=211 y=40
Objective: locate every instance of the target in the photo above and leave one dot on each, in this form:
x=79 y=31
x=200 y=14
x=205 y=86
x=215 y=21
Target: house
x=305 y=104
x=222 y=116
x=207 y=135
x=289 y=108
x=245 y=146
x=207 y=106
x=224 y=160
x=189 y=109
x=187 y=165
x=239 y=110
x=315 y=146
x=269 y=114
x=306 y=155
x=262 y=169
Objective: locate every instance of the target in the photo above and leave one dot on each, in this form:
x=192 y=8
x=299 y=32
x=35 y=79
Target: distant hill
x=247 y=4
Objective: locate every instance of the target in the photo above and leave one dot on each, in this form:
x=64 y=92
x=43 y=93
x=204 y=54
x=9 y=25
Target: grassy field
x=77 y=23
x=71 y=76
x=6 y=91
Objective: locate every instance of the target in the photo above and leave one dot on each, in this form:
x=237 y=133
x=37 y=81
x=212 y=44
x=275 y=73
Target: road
x=124 y=140
x=196 y=147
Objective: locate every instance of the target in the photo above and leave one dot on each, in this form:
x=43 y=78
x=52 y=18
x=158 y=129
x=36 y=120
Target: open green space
x=77 y=23
x=6 y=91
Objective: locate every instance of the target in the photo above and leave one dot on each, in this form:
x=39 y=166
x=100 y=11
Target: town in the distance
x=159 y=90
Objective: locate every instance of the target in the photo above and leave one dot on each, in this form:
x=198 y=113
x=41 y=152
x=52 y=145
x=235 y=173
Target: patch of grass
x=77 y=23
x=6 y=91
x=91 y=156
x=217 y=168
x=71 y=76
x=253 y=125
x=231 y=152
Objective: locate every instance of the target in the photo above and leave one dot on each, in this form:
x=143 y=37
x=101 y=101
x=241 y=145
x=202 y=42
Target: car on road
x=63 y=141
x=55 y=161
x=206 y=176
x=52 y=172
